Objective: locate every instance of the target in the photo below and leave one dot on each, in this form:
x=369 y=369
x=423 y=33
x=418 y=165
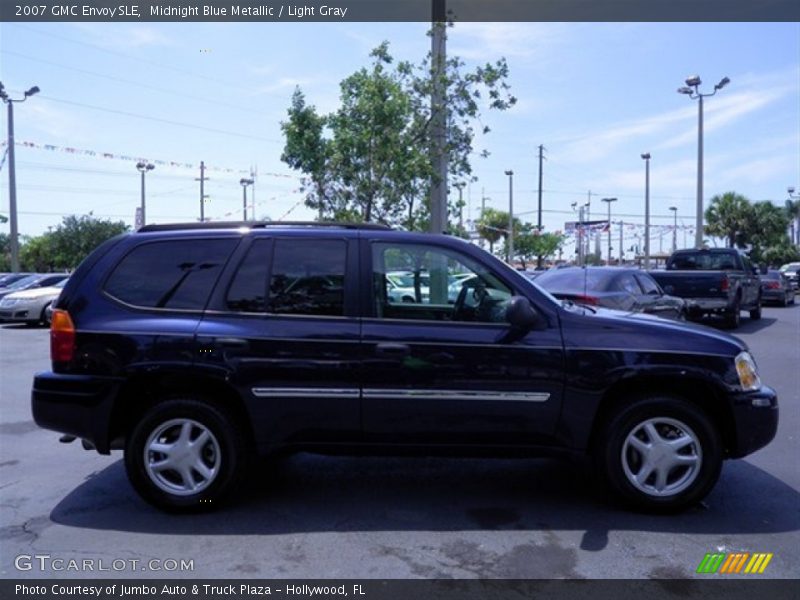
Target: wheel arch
x=143 y=391
x=695 y=390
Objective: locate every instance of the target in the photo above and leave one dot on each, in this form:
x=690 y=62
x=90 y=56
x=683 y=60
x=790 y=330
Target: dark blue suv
x=197 y=347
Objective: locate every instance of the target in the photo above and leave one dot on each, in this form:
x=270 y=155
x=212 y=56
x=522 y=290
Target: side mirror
x=521 y=315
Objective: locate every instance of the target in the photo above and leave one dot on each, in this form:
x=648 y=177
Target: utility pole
x=460 y=187
x=646 y=158
x=609 y=201
x=588 y=217
x=539 y=217
x=12 y=174
x=438 y=118
x=674 y=210
x=244 y=183
x=510 y=248
x=621 y=247
x=203 y=197
x=143 y=168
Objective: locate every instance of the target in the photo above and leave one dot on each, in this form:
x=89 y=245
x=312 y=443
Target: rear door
x=283 y=330
x=448 y=370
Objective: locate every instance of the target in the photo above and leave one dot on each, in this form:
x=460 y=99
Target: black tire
x=43 y=318
x=733 y=318
x=617 y=454
x=214 y=468
x=755 y=313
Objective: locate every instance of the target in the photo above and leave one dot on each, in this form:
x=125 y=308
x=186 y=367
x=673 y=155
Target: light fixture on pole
x=143 y=168
x=244 y=183
x=646 y=157
x=691 y=90
x=12 y=174
x=674 y=210
x=609 y=201
x=510 y=246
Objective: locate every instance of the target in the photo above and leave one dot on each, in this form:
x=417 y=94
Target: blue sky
x=596 y=95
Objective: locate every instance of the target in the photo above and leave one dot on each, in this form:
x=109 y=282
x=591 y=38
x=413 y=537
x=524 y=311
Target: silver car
x=29 y=306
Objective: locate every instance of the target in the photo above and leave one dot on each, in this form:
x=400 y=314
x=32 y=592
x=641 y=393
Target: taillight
x=62 y=337
x=586 y=300
x=725 y=284
x=773 y=285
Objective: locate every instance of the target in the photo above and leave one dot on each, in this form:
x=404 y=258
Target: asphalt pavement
x=66 y=512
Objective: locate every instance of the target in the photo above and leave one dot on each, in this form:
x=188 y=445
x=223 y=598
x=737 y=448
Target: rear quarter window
x=173 y=274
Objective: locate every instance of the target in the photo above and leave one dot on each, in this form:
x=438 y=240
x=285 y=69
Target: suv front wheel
x=185 y=454
x=660 y=454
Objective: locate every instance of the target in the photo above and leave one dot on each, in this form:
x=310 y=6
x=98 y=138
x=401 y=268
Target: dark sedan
x=629 y=290
x=776 y=287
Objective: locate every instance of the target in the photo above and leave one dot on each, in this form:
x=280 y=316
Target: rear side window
x=306 y=278
x=176 y=274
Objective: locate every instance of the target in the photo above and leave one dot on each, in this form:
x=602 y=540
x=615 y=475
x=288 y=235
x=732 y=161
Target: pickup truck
x=718 y=281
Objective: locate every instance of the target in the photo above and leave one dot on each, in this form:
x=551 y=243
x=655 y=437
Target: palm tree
x=729 y=216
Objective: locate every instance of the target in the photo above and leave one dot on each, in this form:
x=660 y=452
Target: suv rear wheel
x=660 y=454
x=185 y=454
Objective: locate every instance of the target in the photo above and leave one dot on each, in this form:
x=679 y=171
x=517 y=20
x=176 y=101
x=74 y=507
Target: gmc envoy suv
x=197 y=347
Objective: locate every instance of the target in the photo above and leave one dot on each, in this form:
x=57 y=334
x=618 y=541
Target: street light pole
x=609 y=201
x=143 y=168
x=646 y=157
x=12 y=174
x=691 y=90
x=245 y=182
x=674 y=210
x=510 y=248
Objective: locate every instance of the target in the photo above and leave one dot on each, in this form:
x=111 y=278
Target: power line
x=160 y=120
x=152 y=63
x=214 y=101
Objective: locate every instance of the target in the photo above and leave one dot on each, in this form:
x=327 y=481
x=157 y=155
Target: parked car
x=775 y=287
x=8 y=278
x=176 y=344
x=619 y=288
x=716 y=281
x=792 y=272
x=33 y=281
x=29 y=306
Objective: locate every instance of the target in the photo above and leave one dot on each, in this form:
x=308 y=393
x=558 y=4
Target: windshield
x=24 y=282
x=575 y=279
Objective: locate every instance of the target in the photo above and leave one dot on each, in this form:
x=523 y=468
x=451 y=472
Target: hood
x=607 y=328
x=35 y=293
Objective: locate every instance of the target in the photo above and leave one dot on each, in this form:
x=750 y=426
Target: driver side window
x=420 y=282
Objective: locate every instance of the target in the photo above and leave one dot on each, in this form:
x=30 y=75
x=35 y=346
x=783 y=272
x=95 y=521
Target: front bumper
x=78 y=405
x=755 y=416
x=15 y=314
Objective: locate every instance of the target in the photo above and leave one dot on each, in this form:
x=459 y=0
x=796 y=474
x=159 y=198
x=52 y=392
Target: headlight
x=5 y=302
x=747 y=371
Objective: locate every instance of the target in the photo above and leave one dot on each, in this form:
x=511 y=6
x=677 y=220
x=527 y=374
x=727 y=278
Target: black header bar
x=399 y=10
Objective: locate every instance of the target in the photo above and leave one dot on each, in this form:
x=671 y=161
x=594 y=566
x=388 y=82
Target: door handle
x=392 y=350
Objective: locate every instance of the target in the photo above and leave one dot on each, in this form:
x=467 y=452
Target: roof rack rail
x=260 y=225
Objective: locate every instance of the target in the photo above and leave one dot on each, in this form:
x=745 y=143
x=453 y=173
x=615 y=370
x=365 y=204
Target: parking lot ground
x=309 y=516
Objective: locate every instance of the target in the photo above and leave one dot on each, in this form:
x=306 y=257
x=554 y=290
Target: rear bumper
x=75 y=404
x=755 y=416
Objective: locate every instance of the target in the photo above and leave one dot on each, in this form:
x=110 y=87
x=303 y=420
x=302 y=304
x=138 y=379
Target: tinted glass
x=627 y=283
x=575 y=279
x=772 y=275
x=419 y=282
x=171 y=274
x=648 y=284
x=248 y=291
x=703 y=261
x=308 y=277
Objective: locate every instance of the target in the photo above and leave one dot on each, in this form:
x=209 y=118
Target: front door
x=441 y=364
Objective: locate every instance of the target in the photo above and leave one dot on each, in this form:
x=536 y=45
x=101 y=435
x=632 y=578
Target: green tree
x=492 y=226
x=728 y=216
x=68 y=244
x=531 y=244
x=5 y=252
x=369 y=160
